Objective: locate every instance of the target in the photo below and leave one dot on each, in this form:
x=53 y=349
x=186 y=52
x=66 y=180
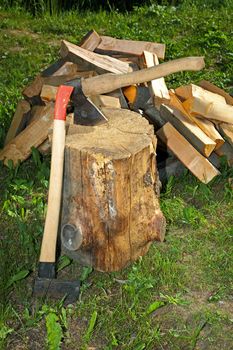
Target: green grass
x=179 y=296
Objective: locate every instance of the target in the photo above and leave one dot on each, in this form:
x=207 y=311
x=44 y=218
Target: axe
x=85 y=113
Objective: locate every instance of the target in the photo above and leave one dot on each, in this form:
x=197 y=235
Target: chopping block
x=110 y=206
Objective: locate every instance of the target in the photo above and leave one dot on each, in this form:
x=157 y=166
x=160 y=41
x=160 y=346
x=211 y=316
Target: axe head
x=47 y=286
x=57 y=289
x=85 y=112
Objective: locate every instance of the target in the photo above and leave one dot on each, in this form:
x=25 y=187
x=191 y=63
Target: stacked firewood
x=193 y=123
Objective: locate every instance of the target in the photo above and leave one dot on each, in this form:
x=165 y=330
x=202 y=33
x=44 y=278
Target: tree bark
x=111 y=211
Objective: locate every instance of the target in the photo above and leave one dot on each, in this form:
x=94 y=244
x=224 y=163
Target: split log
x=188 y=91
x=34 y=135
x=211 y=110
x=187 y=154
x=90 y=60
x=90 y=41
x=111 y=211
x=23 y=107
x=32 y=91
x=205 y=125
x=158 y=88
x=119 y=94
x=109 y=46
x=189 y=130
x=215 y=89
x=106 y=101
x=209 y=129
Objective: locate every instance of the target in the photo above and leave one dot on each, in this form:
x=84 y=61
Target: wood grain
x=109 y=181
x=187 y=154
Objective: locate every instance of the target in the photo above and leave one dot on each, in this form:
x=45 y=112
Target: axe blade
x=85 y=111
x=57 y=289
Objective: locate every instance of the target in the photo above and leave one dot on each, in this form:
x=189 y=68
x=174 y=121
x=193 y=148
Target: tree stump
x=110 y=211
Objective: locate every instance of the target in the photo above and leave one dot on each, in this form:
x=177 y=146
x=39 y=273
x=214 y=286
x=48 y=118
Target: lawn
x=178 y=296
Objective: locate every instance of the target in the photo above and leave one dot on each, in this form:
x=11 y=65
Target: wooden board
x=109 y=190
x=215 y=89
x=90 y=41
x=23 y=107
x=189 y=130
x=19 y=148
x=187 y=154
x=109 y=45
x=211 y=110
x=158 y=87
x=92 y=61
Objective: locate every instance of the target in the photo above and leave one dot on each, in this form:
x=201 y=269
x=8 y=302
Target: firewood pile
x=193 y=123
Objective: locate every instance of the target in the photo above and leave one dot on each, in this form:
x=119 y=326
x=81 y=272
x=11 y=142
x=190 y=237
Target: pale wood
x=189 y=130
x=106 y=101
x=210 y=110
x=109 y=190
x=209 y=129
x=109 y=45
x=109 y=82
x=187 y=154
x=22 y=108
x=19 y=148
x=90 y=59
x=227 y=131
x=226 y=150
x=68 y=68
x=196 y=91
x=215 y=89
x=205 y=125
x=158 y=87
x=48 y=246
x=48 y=93
x=90 y=41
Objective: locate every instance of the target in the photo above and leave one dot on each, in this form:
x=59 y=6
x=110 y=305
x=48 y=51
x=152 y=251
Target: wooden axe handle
x=49 y=241
x=104 y=83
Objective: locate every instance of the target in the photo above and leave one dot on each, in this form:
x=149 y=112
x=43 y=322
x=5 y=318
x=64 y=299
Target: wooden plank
x=210 y=110
x=109 y=45
x=23 y=107
x=203 y=124
x=215 y=89
x=227 y=131
x=158 y=87
x=106 y=101
x=209 y=129
x=90 y=41
x=192 y=90
x=187 y=154
x=189 y=130
x=90 y=59
x=19 y=148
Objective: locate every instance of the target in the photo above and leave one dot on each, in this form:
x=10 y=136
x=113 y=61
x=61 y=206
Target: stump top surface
x=126 y=133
